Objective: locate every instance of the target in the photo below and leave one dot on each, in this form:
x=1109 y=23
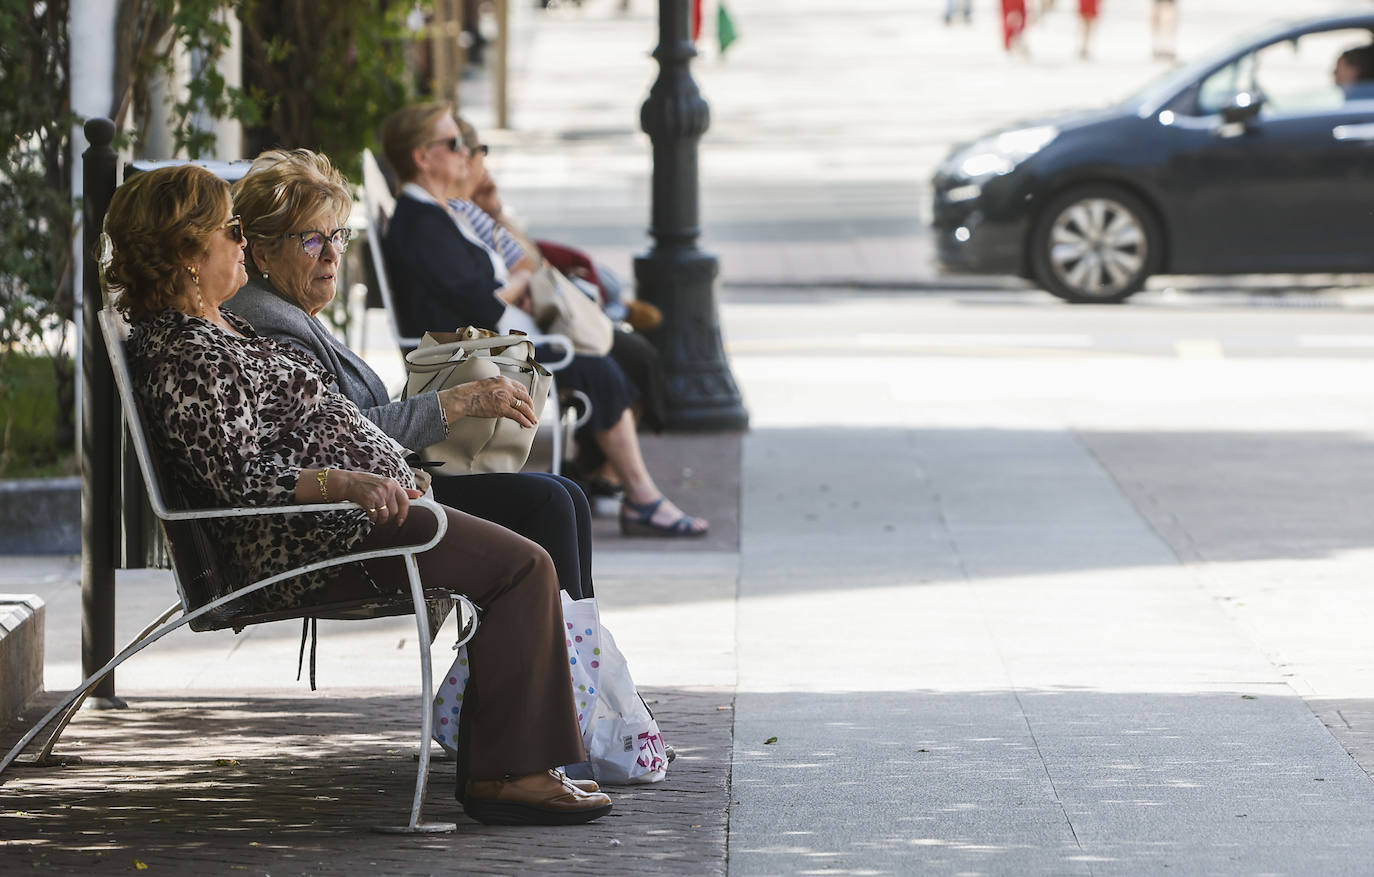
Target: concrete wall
x=40 y=516
x=21 y=652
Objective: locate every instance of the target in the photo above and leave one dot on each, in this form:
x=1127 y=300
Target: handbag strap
x=435 y=375
x=439 y=355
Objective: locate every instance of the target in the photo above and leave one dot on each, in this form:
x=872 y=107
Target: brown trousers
x=524 y=719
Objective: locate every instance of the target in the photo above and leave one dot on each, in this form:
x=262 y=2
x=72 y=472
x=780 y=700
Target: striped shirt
x=491 y=234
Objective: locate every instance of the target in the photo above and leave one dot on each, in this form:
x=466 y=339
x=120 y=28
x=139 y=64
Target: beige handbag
x=563 y=309
x=447 y=359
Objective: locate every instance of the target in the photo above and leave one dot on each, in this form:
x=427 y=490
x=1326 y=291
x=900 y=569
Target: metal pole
x=99 y=440
x=502 y=63
x=674 y=274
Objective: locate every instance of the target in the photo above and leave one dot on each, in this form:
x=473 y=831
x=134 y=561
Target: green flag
x=725 y=28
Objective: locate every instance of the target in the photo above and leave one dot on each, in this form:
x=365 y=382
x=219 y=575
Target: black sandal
x=640 y=521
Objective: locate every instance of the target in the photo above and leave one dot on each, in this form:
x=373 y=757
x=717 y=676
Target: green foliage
x=202 y=28
x=322 y=77
x=30 y=445
x=36 y=211
x=324 y=81
x=315 y=78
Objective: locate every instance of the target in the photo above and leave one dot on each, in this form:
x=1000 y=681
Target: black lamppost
x=674 y=274
x=101 y=428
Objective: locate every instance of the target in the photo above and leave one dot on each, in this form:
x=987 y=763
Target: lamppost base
x=702 y=395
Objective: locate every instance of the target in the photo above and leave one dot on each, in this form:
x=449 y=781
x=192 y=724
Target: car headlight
x=994 y=156
x=966 y=192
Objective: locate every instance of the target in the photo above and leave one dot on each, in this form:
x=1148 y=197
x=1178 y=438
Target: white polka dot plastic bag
x=582 y=626
x=623 y=740
x=624 y=744
x=448 y=702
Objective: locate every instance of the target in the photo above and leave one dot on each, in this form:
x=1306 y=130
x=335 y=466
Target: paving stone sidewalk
x=221 y=778
x=291 y=783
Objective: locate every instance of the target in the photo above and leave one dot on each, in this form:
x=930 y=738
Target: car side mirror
x=1243 y=109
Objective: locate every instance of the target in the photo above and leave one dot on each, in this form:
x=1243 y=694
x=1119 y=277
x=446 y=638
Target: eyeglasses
x=312 y=242
x=454 y=144
x=235 y=227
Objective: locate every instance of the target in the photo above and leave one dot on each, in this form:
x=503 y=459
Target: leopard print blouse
x=236 y=420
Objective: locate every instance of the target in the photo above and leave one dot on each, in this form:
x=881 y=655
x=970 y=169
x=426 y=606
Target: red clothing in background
x=1013 y=21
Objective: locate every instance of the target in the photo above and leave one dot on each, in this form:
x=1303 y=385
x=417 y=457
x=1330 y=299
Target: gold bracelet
x=322 y=476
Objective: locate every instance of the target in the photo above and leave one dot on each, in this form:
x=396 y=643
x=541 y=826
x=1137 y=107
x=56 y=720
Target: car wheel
x=1095 y=244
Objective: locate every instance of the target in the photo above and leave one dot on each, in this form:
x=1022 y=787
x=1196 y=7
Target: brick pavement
x=307 y=774
x=290 y=783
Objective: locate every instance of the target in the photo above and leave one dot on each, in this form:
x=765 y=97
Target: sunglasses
x=235 y=227
x=454 y=144
x=312 y=242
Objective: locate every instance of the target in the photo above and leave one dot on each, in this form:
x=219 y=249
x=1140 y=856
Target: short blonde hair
x=406 y=130
x=281 y=190
x=158 y=224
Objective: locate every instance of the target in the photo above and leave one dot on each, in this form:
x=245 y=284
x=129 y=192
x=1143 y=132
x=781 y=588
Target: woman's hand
x=516 y=292
x=490 y=397
x=486 y=196
x=384 y=499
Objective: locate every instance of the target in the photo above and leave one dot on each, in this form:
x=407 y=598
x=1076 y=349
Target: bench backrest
x=378 y=205
x=195 y=564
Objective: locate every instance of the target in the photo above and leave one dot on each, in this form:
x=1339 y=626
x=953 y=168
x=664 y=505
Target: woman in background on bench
x=294 y=205
x=243 y=420
x=443 y=280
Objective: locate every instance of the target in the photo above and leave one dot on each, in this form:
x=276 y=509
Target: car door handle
x=1354 y=132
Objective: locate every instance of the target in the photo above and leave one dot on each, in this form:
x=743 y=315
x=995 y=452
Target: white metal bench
x=208 y=598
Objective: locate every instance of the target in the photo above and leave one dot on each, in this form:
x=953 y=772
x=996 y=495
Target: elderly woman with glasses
x=293 y=204
x=445 y=277
x=244 y=420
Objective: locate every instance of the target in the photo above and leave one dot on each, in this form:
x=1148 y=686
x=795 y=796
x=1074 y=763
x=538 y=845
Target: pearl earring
x=264 y=275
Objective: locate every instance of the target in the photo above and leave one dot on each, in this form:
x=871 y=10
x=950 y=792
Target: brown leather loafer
x=536 y=799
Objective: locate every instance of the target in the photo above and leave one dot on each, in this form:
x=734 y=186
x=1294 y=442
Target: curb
x=21 y=652
x=40 y=516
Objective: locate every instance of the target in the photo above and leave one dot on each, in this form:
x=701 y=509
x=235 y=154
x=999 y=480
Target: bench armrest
x=423 y=502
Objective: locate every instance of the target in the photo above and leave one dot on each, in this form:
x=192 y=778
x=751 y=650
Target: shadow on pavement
x=218 y=784
x=1246 y=495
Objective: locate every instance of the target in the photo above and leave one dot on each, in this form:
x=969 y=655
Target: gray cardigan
x=416 y=423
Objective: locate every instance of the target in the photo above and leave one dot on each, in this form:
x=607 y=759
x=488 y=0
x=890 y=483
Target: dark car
x=1251 y=160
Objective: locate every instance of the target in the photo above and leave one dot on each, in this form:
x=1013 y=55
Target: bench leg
x=72 y=701
x=45 y=758
x=415 y=826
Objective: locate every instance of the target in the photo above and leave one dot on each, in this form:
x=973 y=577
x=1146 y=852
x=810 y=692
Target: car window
x=1292 y=77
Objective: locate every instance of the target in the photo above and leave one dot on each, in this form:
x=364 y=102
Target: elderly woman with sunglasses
x=444 y=277
x=244 y=420
x=294 y=204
